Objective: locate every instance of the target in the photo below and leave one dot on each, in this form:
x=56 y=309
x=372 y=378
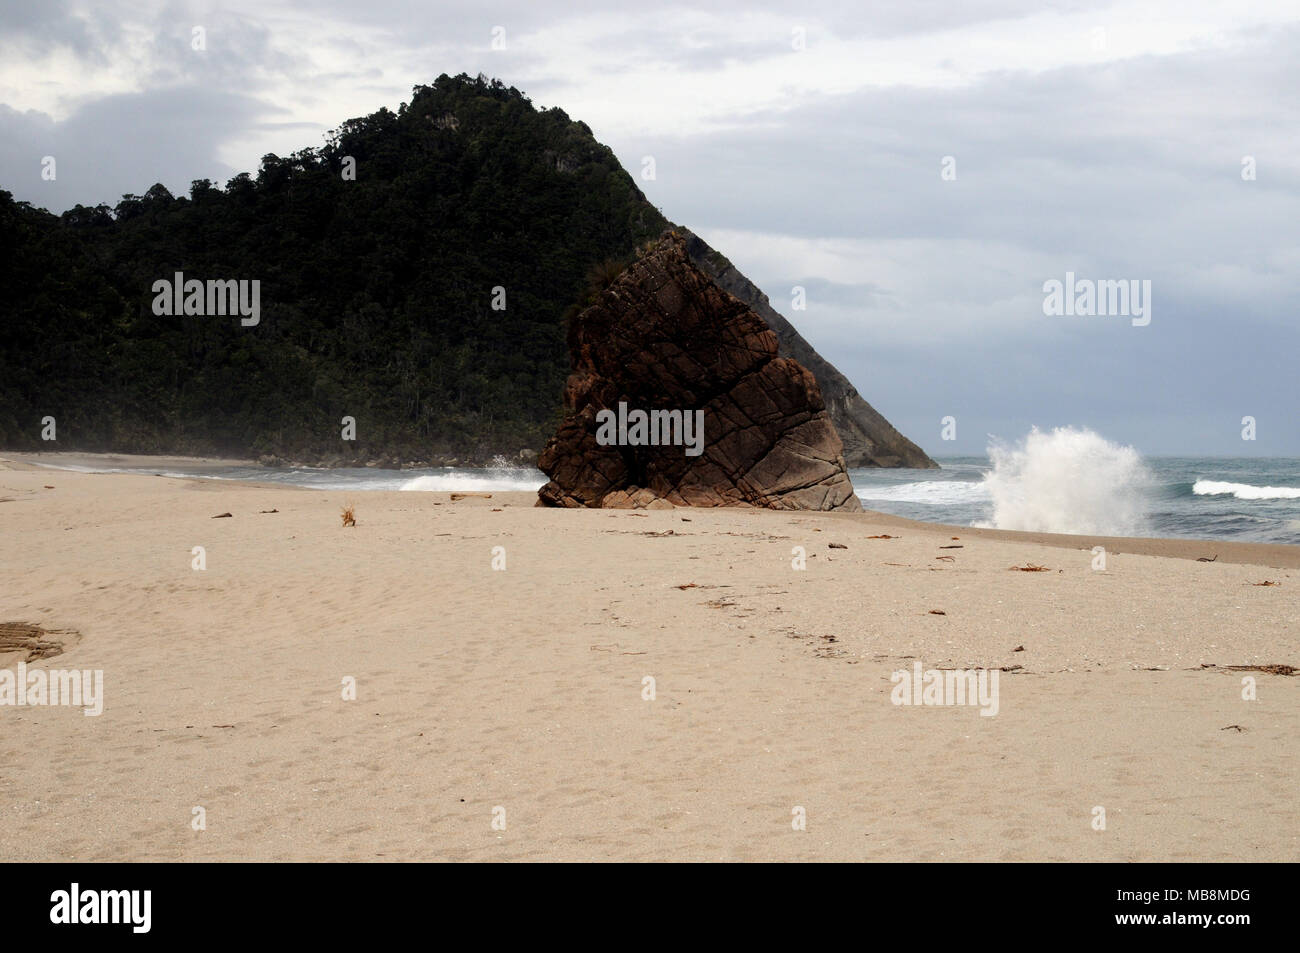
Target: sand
x=519 y=694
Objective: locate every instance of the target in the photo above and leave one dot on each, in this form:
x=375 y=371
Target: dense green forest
x=376 y=292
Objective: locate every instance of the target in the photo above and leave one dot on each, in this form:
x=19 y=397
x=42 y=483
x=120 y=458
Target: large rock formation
x=869 y=439
x=665 y=337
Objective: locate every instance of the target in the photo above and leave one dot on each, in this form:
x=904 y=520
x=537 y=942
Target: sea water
x=1066 y=481
x=1074 y=481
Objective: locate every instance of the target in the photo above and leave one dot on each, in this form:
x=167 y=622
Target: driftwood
x=1275 y=669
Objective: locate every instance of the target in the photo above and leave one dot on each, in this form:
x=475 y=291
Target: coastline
x=59 y=459
x=377 y=460
x=1278 y=555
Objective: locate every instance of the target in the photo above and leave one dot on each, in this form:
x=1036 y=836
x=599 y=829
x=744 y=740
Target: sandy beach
x=520 y=695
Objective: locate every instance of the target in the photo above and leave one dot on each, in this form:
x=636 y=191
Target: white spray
x=1067 y=481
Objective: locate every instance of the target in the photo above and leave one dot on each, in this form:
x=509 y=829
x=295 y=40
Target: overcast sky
x=807 y=142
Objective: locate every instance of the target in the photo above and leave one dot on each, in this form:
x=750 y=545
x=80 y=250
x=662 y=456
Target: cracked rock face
x=663 y=336
x=869 y=439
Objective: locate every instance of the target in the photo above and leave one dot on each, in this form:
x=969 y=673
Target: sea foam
x=1067 y=480
x=937 y=492
x=481 y=481
x=1245 y=491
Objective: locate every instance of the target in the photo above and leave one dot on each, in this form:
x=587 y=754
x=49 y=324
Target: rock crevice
x=665 y=336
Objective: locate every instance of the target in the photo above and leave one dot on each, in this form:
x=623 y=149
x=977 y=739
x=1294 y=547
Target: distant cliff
x=869 y=439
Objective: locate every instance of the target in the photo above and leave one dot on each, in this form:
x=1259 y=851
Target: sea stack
x=664 y=350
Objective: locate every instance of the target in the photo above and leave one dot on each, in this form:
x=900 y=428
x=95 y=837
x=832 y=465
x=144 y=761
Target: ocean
x=1235 y=498
x=1069 y=482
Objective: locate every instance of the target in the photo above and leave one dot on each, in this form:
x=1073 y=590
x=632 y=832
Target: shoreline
x=63 y=459
x=379 y=461
x=1274 y=555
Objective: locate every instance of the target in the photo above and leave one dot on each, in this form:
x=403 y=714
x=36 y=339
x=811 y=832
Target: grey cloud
x=54 y=24
x=238 y=53
x=1128 y=170
x=123 y=144
x=465 y=19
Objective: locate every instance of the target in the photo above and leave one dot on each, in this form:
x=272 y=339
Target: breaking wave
x=1067 y=480
x=938 y=492
x=479 y=481
x=1245 y=491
